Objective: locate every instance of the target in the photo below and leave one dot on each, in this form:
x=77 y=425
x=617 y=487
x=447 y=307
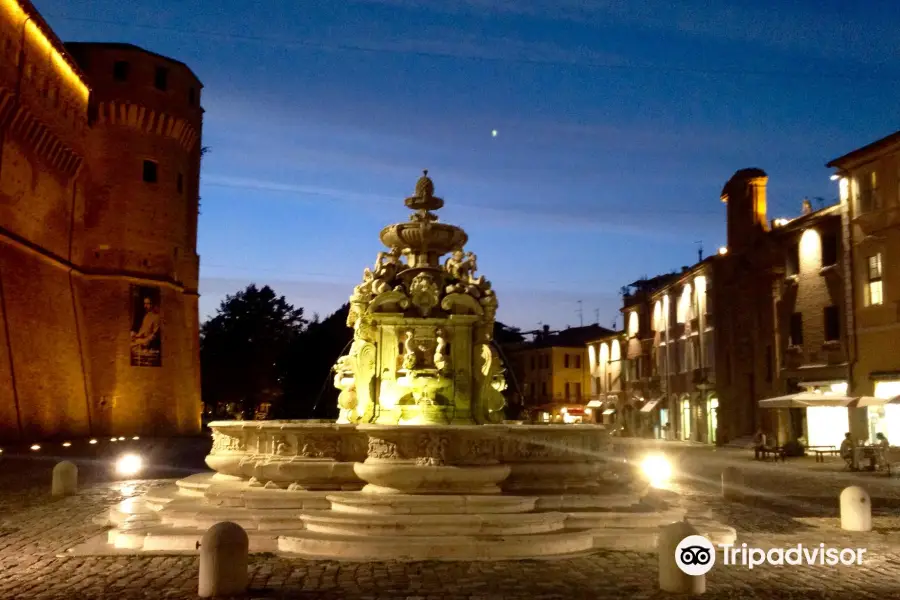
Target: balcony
x=833 y=353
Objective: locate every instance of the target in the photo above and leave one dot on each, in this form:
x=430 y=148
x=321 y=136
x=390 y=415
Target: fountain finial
x=423 y=199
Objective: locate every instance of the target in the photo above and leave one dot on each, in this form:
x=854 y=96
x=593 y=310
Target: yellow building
x=553 y=374
x=869 y=186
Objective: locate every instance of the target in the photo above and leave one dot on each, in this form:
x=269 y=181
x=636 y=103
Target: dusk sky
x=618 y=123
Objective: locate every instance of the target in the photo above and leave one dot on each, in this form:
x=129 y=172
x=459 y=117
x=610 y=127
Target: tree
x=309 y=390
x=243 y=349
x=506 y=334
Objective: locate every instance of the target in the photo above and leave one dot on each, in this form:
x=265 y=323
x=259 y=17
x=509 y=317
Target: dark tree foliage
x=309 y=391
x=506 y=334
x=243 y=348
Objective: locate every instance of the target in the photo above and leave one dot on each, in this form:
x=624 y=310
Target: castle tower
x=138 y=240
x=745 y=195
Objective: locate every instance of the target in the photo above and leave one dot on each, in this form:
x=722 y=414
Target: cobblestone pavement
x=795 y=504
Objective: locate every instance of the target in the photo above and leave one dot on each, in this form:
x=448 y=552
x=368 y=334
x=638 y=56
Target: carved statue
x=424 y=293
x=441 y=360
x=410 y=360
x=453 y=264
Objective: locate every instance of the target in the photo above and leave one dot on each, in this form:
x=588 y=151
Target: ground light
x=35 y=447
x=66 y=444
x=657 y=469
x=92 y=442
x=129 y=465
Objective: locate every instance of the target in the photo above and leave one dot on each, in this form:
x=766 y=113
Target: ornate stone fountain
x=422 y=330
x=419 y=464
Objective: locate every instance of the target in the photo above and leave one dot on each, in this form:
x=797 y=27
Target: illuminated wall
x=826 y=425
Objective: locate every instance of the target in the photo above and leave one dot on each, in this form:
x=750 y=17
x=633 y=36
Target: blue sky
x=618 y=123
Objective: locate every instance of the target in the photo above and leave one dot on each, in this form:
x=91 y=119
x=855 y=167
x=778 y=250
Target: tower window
x=796 y=333
x=832 y=324
x=793 y=260
x=150 y=171
x=180 y=183
x=829 y=249
x=161 y=81
x=120 y=70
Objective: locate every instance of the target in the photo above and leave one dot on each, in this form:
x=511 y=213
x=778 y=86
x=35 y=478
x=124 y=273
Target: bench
x=775 y=453
x=823 y=452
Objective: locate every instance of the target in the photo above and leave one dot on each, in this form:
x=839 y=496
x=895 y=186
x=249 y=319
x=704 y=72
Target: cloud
x=815 y=28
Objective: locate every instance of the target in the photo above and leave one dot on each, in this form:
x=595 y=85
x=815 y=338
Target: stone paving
x=794 y=504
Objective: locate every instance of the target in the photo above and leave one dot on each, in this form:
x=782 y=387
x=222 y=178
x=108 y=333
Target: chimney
x=806 y=207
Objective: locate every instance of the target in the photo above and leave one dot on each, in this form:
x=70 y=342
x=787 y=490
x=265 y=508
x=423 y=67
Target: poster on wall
x=146 y=327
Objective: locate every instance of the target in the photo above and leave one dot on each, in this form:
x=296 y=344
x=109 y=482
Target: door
x=712 y=419
x=686 y=419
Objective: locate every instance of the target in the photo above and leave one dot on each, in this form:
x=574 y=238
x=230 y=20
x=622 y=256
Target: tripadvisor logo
x=696 y=555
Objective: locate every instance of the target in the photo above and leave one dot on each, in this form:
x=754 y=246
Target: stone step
x=175 y=539
x=594 y=520
x=311 y=544
x=367 y=524
x=361 y=502
x=566 y=502
x=261 y=498
x=204 y=517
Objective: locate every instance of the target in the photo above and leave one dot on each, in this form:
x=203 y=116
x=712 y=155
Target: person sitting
x=847 y=450
x=759 y=444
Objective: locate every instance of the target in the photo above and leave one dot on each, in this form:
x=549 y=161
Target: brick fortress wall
x=84 y=237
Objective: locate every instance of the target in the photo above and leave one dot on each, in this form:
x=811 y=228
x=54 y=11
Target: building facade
x=554 y=374
x=868 y=181
x=99 y=178
x=762 y=318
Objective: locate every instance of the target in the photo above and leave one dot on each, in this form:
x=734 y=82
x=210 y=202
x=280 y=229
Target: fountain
x=420 y=464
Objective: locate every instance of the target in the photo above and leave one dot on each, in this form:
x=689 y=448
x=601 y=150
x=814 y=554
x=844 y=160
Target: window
x=192 y=96
x=566 y=361
x=544 y=389
x=567 y=390
x=161 y=81
x=532 y=363
x=180 y=183
x=868 y=199
x=578 y=390
x=832 y=324
x=150 y=171
x=829 y=249
x=577 y=361
x=120 y=70
x=796 y=336
x=793 y=260
x=873 y=289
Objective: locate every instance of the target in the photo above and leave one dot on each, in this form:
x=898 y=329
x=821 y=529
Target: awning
x=864 y=401
x=609 y=411
x=807 y=399
x=594 y=404
x=650 y=406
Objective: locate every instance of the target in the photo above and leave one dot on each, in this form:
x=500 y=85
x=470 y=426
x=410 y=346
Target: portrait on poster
x=146 y=327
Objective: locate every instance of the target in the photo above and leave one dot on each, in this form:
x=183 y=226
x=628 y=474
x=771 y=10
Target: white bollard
x=65 y=479
x=223 y=560
x=856 y=509
x=732 y=483
x=672 y=578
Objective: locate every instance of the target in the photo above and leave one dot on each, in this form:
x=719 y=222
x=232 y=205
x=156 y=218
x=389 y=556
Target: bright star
x=493 y=133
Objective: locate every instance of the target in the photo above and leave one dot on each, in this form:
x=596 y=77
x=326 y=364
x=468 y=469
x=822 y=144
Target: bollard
x=65 y=479
x=671 y=576
x=856 y=509
x=223 y=560
x=732 y=483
